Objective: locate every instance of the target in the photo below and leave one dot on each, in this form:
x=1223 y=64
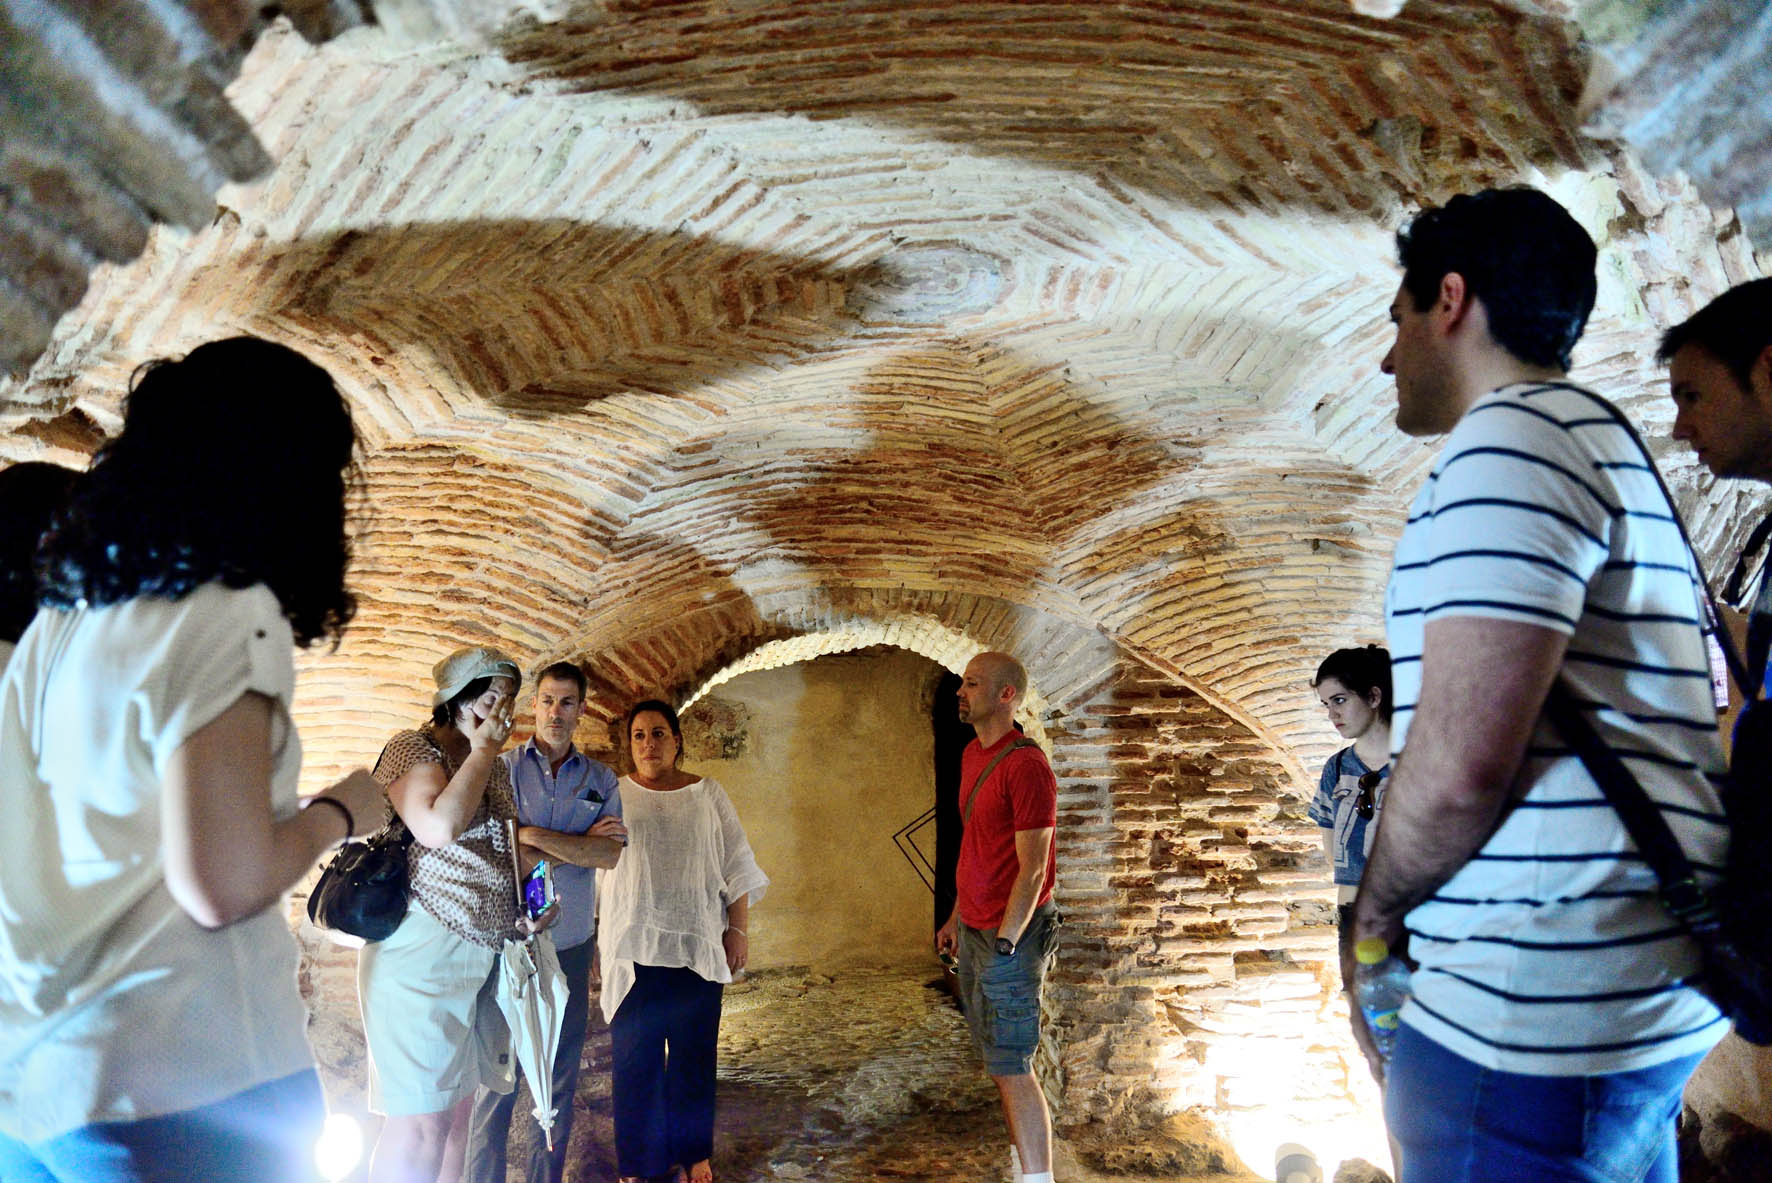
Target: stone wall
x=825 y=761
x=1200 y=943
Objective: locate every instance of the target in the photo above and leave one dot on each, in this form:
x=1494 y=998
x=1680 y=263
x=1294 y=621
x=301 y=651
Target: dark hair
x=1735 y=328
x=565 y=671
x=1362 y=671
x=234 y=466
x=1521 y=254
x=30 y=492
x=443 y=714
x=663 y=708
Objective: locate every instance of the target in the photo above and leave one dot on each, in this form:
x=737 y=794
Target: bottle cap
x=1371 y=951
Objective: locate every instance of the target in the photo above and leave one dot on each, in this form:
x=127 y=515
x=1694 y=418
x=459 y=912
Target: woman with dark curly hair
x=30 y=492
x=150 y=1024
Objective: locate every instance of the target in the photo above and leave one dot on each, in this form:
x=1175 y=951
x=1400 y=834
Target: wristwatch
x=1005 y=947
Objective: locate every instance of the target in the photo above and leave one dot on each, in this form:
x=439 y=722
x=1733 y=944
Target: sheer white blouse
x=665 y=902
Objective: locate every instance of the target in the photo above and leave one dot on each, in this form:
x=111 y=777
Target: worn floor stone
x=866 y=1075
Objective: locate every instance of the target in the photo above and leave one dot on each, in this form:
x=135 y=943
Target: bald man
x=1004 y=927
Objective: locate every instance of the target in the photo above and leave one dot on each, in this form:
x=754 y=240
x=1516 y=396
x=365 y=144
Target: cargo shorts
x=1002 y=994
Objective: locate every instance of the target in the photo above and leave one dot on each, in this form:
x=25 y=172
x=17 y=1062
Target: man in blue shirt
x=568 y=810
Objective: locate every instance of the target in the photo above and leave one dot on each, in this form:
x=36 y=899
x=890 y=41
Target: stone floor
x=868 y=1075
x=863 y=1076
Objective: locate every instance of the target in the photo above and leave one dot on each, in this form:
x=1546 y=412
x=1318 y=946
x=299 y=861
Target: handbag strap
x=1680 y=891
x=394 y=829
x=1023 y=742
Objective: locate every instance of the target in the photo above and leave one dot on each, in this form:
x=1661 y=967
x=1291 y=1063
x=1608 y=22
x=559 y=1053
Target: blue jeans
x=263 y=1135
x=1456 y=1122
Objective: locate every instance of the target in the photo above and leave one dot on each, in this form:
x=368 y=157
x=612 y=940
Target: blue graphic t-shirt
x=1336 y=807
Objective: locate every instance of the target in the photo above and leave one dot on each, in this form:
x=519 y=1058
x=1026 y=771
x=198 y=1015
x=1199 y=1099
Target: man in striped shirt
x=1553 y=1021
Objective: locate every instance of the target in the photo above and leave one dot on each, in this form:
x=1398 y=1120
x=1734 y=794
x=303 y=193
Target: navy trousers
x=665 y=1039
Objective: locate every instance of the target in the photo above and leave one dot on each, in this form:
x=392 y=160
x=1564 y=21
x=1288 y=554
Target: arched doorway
x=831 y=764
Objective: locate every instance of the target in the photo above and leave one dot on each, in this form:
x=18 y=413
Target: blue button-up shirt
x=570 y=802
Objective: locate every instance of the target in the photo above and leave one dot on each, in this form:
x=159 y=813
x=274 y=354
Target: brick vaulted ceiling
x=676 y=328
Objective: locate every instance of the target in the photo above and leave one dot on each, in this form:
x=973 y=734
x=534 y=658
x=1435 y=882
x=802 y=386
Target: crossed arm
x=599 y=847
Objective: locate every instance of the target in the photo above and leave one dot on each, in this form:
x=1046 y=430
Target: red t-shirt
x=1021 y=794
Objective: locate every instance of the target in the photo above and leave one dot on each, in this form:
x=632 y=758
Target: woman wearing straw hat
x=428 y=992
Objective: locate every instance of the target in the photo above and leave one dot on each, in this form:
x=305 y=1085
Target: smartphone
x=538 y=889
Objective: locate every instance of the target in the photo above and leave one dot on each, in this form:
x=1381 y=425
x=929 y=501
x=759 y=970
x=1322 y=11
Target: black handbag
x=1727 y=920
x=363 y=890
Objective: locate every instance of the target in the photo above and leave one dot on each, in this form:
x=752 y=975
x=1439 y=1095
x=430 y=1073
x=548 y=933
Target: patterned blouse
x=467 y=885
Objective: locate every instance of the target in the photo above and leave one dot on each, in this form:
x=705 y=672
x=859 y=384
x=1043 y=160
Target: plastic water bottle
x=1381 y=987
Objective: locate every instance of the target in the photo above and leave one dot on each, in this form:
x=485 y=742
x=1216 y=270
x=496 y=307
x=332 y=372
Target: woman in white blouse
x=150 y=1024
x=674 y=929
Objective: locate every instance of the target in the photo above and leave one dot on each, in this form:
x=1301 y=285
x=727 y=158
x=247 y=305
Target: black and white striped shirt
x=1549 y=953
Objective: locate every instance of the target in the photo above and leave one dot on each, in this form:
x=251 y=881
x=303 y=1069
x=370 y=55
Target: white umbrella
x=532 y=995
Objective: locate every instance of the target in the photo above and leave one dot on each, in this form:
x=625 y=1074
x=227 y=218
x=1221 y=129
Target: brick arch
x=946 y=647
x=1068 y=662
x=1188 y=871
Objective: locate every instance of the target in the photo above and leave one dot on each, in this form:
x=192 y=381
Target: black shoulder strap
x=1023 y=742
x=1759 y=633
x=1680 y=891
x=393 y=827
x=1759 y=621
x=1732 y=587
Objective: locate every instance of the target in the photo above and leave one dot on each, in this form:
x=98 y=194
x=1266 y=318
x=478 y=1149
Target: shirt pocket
x=575 y=816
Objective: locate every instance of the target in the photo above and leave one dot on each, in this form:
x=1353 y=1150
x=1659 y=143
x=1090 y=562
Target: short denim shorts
x=1002 y=994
